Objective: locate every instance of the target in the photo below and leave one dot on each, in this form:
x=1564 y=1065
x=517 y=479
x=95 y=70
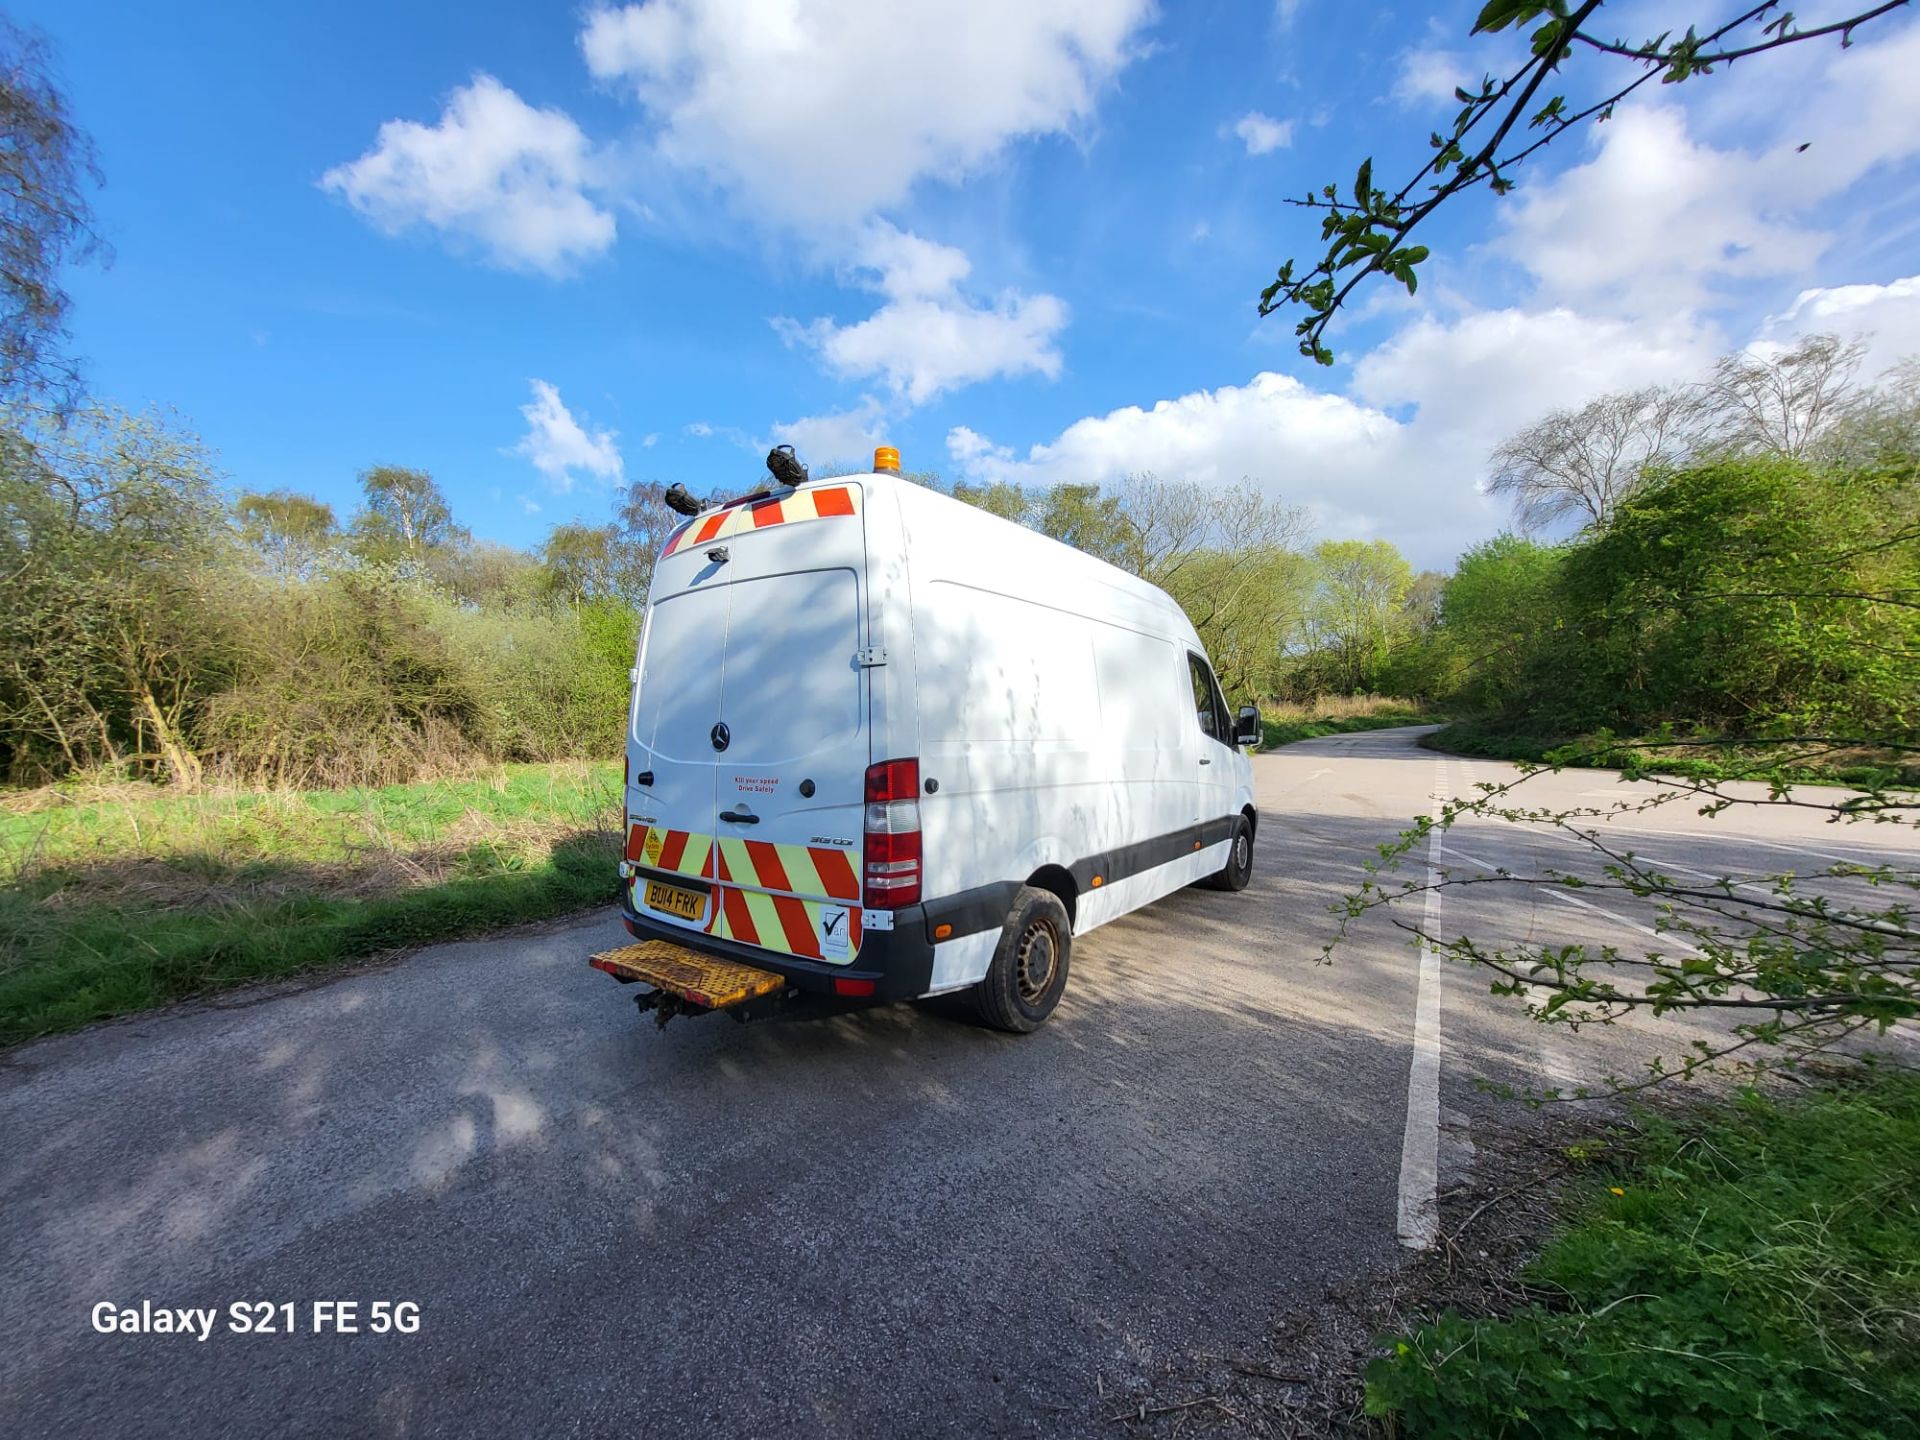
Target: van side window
x=1213 y=720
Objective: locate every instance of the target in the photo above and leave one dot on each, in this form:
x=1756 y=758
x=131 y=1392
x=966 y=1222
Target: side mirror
x=1246 y=726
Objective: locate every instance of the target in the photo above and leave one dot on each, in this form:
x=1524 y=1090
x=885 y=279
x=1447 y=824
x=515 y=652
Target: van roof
x=1009 y=537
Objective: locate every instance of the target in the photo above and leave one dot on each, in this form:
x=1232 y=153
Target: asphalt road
x=887 y=1223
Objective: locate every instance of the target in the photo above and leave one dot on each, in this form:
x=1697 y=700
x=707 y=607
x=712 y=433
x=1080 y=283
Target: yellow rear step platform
x=692 y=976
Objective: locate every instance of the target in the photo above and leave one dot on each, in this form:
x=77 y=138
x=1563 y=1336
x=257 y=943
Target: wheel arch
x=1056 y=879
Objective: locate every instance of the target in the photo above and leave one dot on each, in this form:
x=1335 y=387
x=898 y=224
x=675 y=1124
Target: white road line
x=1419 y=1217
x=1553 y=894
x=1887 y=856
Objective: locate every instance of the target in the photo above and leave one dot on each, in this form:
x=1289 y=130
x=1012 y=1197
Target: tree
x=1500 y=608
x=1361 y=584
x=1750 y=595
x=46 y=163
x=1006 y=500
x=1245 y=604
x=581 y=563
x=1580 y=464
x=1880 y=429
x=404 y=517
x=644 y=523
x=289 y=532
x=1782 y=402
x=1080 y=516
x=485 y=575
x=1370 y=233
x=108 y=639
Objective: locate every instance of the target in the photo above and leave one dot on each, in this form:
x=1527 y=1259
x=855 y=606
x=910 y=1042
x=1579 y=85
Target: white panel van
x=884 y=744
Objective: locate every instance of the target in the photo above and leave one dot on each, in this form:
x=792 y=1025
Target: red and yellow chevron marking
x=824 y=502
x=680 y=852
x=767 y=894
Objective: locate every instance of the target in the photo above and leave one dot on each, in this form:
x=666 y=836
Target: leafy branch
x=1369 y=234
x=1773 y=969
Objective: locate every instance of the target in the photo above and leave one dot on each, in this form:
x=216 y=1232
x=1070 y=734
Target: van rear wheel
x=1238 y=870
x=1029 y=970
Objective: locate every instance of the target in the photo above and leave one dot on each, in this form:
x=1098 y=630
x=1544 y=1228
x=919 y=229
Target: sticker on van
x=833 y=932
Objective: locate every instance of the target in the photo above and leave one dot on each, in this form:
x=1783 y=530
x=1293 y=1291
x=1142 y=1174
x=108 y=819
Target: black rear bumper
x=899 y=961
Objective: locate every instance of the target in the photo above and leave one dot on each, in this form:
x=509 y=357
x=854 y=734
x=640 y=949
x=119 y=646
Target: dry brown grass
x=1333 y=707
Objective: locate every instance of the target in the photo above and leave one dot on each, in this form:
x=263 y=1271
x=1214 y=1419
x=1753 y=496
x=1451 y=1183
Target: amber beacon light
x=886 y=458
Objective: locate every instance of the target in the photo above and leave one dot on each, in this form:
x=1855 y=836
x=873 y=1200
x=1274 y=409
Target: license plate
x=687 y=904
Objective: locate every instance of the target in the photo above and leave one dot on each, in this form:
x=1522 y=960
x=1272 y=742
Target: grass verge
x=1694 y=761
x=1752 y=1270
x=118 y=904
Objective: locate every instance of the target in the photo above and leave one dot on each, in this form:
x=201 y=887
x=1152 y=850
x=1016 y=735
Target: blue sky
x=539 y=253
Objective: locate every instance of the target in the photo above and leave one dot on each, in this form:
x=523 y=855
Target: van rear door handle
x=1204 y=760
x=741 y=819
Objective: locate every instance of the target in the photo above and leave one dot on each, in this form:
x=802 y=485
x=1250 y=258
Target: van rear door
x=791 y=783
x=676 y=705
x=765 y=744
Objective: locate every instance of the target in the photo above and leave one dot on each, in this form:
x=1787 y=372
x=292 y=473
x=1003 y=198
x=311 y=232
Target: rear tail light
x=893 y=835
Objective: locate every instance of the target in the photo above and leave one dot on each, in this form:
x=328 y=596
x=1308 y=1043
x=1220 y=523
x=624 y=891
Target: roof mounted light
x=786 y=467
x=886 y=459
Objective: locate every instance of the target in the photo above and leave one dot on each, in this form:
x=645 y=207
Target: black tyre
x=1029 y=969
x=1238 y=870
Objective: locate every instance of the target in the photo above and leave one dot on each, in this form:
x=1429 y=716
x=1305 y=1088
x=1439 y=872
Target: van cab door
x=1214 y=771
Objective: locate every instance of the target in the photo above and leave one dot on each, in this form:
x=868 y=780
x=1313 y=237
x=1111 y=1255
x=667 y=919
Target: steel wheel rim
x=1036 y=962
x=1242 y=851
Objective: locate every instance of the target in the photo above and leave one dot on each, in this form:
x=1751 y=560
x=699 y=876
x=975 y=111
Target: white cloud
x=827 y=113
x=495 y=175
x=650 y=441
x=1432 y=75
x=1886 y=318
x=1657 y=219
x=973 y=451
x=847 y=437
x=1360 y=463
x=1321 y=450
x=908 y=266
x=558 y=445
x=1485 y=373
x=1263 y=133
x=929 y=337
x=700 y=430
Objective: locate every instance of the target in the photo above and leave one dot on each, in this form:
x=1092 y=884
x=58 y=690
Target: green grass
x=117 y=904
x=1285 y=732
x=1693 y=762
x=1753 y=1271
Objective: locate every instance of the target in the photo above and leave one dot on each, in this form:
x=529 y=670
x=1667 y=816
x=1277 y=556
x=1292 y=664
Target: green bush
x=1732 y=597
